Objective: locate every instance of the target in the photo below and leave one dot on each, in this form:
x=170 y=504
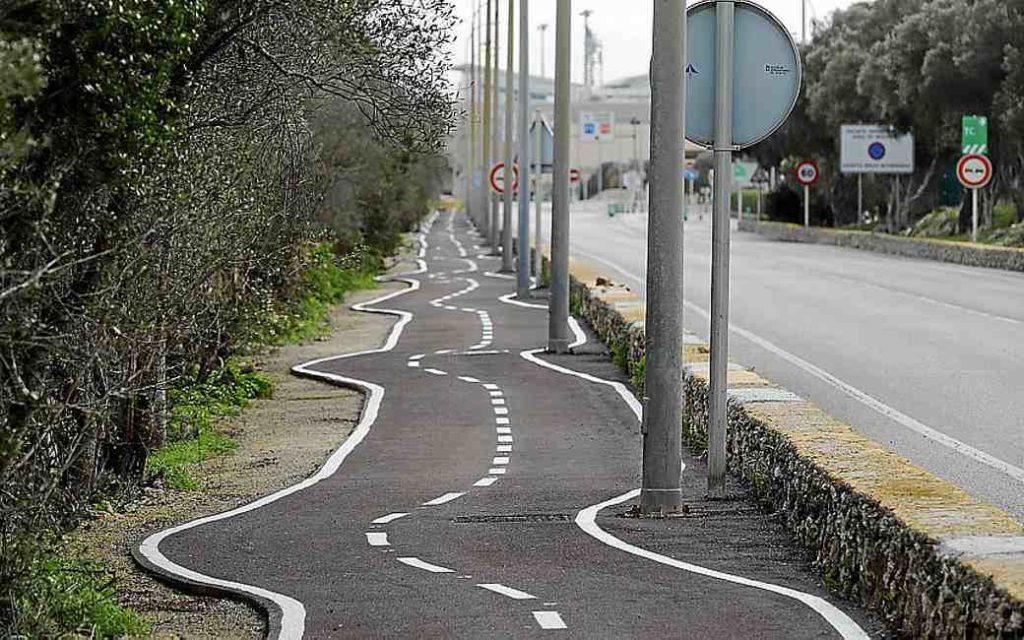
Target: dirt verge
x=281 y=440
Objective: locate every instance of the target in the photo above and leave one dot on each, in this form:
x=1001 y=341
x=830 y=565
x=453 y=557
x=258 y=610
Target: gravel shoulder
x=281 y=440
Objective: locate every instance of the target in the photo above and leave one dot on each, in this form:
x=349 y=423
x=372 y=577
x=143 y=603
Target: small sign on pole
x=974 y=136
x=974 y=172
x=807 y=174
x=497 y=178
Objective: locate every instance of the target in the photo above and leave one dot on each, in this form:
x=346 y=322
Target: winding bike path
x=468 y=501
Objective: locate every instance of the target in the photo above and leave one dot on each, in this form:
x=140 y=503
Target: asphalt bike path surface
x=479 y=496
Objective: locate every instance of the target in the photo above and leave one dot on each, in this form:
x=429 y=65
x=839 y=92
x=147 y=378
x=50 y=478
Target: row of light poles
x=662 y=430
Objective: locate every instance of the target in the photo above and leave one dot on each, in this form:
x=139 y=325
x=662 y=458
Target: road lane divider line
x=391 y=517
x=549 y=620
x=416 y=563
x=506 y=591
x=863 y=397
x=448 y=497
x=842 y=623
x=287 y=615
x=485 y=482
x=377 y=539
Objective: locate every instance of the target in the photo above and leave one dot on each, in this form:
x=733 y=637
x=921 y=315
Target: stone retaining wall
x=881 y=529
x=964 y=253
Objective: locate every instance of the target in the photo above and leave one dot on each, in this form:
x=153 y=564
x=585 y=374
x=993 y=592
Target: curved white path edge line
x=585 y=519
x=290 y=620
x=842 y=623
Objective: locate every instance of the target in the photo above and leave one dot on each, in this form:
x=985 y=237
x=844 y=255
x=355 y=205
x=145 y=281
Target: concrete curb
x=933 y=561
x=1005 y=258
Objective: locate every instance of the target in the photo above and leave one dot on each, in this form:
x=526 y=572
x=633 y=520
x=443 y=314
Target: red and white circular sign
x=574 y=176
x=498 y=178
x=974 y=171
x=807 y=173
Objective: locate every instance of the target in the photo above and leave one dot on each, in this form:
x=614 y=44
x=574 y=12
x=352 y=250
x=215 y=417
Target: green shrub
x=71 y=598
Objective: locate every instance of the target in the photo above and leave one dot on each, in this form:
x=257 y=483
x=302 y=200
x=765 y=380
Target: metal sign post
x=732 y=43
x=974 y=172
x=538 y=173
x=506 y=206
x=807 y=174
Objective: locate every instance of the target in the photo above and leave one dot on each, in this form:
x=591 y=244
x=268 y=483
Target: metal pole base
x=558 y=345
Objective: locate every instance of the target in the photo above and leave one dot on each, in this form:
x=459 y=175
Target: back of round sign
x=766 y=76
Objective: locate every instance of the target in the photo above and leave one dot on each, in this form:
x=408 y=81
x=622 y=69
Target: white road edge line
x=839 y=621
x=585 y=520
x=877 y=405
x=416 y=563
x=549 y=620
x=292 y=612
x=515 y=594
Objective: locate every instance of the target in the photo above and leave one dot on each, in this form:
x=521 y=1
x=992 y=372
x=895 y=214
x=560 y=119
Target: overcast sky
x=623 y=27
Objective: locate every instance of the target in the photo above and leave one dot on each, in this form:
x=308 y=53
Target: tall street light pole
x=485 y=188
x=470 y=166
x=523 y=264
x=506 y=209
x=661 y=491
x=558 y=303
x=495 y=224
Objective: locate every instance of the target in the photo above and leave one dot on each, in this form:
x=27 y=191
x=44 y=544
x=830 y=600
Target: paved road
x=923 y=357
x=479 y=495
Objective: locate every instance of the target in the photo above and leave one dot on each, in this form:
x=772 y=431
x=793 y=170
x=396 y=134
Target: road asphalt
x=923 y=357
x=483 y=495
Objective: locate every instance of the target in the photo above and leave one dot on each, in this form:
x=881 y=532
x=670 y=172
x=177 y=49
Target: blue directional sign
x=766 y=74
x=876 y=150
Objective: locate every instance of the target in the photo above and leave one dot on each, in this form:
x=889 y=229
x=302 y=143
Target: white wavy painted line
x=875 y=404
x=585 y=520
x=839 y=621
x=292 y=612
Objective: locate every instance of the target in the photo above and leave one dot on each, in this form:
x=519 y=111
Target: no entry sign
x=974 y=171
x=807 y=173
x=498 y=178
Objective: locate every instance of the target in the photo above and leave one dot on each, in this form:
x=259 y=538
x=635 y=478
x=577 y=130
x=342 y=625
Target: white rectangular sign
x=875 y=149
x=597 y=126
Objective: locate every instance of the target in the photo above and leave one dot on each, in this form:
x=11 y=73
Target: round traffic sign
x=766 y=64
x=574 y=176
x=876 y=150
x=498 y=178
x=974 y=171
x=807 y=173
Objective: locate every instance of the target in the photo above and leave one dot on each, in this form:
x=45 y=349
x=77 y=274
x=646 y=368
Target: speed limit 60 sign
x=807 y=173
x=974 y=171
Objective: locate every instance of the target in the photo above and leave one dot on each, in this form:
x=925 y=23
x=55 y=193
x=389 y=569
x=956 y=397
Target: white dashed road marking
x=549 y=620
x=485 y=482
x=391 y=517
x=416 y=563
x=515 y=594
x=448 y=497
x=377 y=539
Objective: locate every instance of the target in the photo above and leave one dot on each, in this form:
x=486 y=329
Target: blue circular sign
x=876 y=151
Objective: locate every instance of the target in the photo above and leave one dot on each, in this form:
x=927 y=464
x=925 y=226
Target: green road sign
x=975 y=135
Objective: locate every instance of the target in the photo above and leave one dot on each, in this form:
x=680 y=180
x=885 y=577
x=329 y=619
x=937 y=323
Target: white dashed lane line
x=416 y=563
x=377 y=539
x=549 y=620
x=509 y=592
x=391 y=517
x=500 y=460
x=485 y=482
x=448 y=497
x=436 y=372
